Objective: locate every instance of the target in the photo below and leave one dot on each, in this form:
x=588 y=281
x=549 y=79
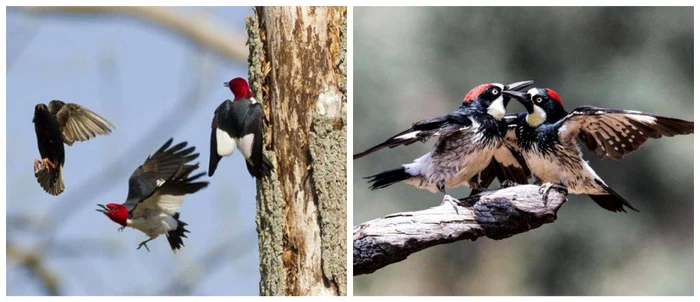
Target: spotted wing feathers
x=78 y=123
x=615 y=133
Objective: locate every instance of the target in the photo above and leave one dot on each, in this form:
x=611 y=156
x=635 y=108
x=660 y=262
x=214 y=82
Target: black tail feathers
x=387 y=178
x=612 y=201
x=175 y=236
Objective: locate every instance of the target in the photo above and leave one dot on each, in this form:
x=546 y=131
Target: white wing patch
x=409 y=135
x=245 y=144
x=159 y=182
x=225 y=145
x=170 y=203
x=643 y=118
x=253 y=101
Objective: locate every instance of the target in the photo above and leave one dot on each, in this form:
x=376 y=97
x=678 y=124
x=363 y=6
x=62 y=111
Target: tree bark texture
x=297 y=71
x=495 y=214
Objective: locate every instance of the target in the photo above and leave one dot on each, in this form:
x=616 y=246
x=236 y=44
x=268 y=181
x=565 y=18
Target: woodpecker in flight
x=546 y=137
x=239 y=124
x=57 y=124
x=156 y=190
x=469 y=142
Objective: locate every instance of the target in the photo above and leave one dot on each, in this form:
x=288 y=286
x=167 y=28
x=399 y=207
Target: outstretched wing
x=78 y=123
x=615 y=133
x=422 y=131
x=166 y=165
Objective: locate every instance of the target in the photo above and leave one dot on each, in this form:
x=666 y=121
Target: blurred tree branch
x=203 y=31
x=496 y=214
x=34 y=263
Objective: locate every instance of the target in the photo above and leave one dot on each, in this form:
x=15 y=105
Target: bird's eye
x=494 y=91
x=538 y=99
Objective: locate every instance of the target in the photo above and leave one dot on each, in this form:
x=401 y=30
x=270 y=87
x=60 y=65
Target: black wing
x=166 y=164
x=259 y=165
x=214 y=156
x=78 y=123
x=615 y=133
x=422 y=131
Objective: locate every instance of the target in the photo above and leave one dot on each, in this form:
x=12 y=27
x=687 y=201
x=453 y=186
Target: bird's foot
x=452 y=201
x=143 y=244
x=121 y=229
x=46 y=162
x=508 y=184
x=544 y=190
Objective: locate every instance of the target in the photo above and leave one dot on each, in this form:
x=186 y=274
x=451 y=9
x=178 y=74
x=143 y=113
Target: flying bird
x=239 y=124
x=546 y=137
x=57 y=124
x=156 y=191
x=469 y=146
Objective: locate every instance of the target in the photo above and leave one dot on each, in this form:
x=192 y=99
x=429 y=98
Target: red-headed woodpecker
x=156 y=190
x=546 y=137
x=55 y=125
x=239 y=124
x=469 y=140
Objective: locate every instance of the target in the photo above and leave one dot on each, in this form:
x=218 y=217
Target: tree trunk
x=297 y=71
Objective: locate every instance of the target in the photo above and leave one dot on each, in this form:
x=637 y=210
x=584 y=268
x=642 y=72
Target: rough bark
x=297 y=70
x=495 y=214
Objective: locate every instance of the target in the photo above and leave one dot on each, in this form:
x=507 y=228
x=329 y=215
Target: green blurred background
x=415 y=63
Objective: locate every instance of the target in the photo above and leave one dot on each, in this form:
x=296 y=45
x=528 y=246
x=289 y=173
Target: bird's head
x=117 y=212
x=39 y=109
x=240 y=89
x=542 y=104
x=491 y=97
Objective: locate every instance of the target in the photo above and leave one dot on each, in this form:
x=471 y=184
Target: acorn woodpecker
x=469 y=140
x=156 y=190
x=546 y=137
x=239 y=123
x=57 y=124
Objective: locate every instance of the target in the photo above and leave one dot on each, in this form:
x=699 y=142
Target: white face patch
x=497 y=110
x=225 y=145
x=245 y=144
x=533 y=91
x=537 y=117
x=499 y=86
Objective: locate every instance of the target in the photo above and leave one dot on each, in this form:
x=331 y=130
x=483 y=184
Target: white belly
x=153 y=225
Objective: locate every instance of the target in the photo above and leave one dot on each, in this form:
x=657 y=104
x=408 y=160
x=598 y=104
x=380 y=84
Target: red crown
x=553 y=94
x=474 y=93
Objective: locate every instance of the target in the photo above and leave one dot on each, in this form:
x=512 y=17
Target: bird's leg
x=537 y=181
x=144 y=244
x=544 y=189
x=121 y=229
x=447 y=198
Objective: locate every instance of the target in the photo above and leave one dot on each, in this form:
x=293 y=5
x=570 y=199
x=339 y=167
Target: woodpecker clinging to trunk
x=57 y=124
x=156 y=190
x=546 y=137
x=469 y=140
x=239 y=124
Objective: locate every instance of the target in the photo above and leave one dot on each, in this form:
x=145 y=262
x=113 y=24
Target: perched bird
x=546 y=137
x=56 y=124
x=469 y=142
x=156 y=190
x=239 y=124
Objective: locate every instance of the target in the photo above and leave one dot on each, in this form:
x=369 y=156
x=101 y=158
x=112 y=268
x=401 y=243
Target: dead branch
x=495 y=214
x=202 y=30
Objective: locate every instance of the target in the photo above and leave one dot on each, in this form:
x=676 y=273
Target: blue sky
x=139 y=77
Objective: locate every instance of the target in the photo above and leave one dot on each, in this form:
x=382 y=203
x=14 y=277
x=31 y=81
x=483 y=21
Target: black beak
x=103 y=210
x=518 y=85
x=521 y=96
x=225 y=84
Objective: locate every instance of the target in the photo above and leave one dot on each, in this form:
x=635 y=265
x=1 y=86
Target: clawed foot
x=508 y=184
x=452 y=201
x=121 y=229
x=42 y=164
x=143 y=244
x=544 y=190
